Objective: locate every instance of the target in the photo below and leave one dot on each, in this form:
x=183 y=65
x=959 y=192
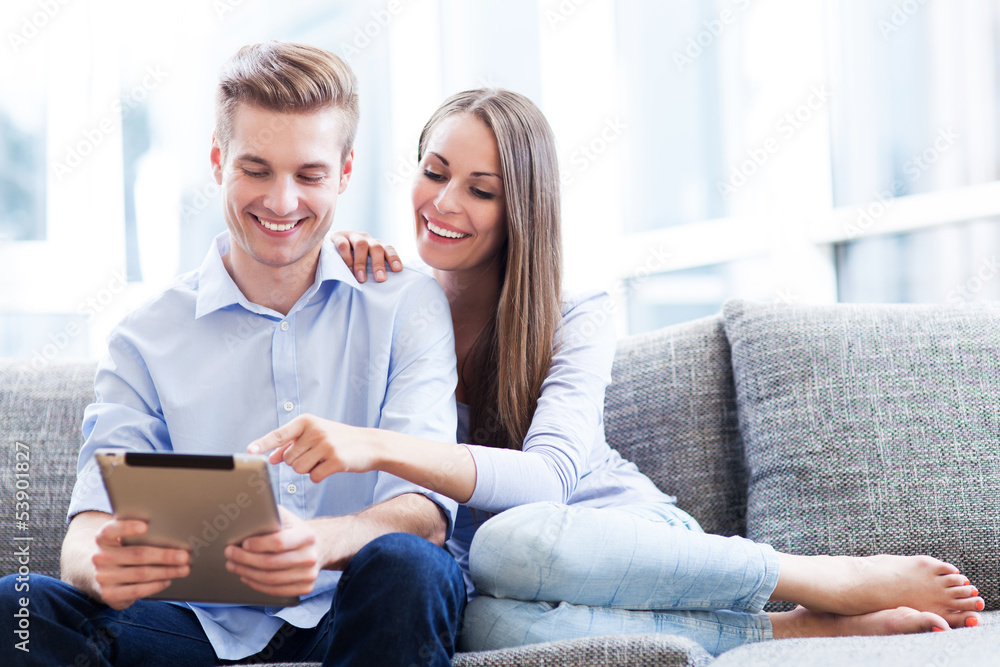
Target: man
x=272 y=326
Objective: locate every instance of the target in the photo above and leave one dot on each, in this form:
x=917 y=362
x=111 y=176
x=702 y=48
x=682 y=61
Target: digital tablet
x=198 y=502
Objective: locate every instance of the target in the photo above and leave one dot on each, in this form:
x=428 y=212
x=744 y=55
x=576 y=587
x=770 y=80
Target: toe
x=959 y=592
x=954 y=580
x=940 y=566
x=963 y=619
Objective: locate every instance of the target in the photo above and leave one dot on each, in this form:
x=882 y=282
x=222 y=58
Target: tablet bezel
x=198 y=502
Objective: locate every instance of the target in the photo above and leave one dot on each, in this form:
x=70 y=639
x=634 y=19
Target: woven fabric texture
x=872 y=429
x=671 y=409
x=967 y=646
x=42 y=409
x=610 y=651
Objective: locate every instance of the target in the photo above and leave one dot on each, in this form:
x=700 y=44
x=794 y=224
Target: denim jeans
x=547 y=571
x=399 y=602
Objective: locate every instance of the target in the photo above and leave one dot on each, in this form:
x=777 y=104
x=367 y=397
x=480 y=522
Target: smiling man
x=272 y=326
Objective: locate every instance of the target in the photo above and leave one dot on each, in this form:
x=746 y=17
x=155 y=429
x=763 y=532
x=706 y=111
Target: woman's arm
x=568 y=421
x=319 y=447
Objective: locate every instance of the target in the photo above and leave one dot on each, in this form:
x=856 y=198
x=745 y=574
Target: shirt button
x=291 y=488
x=289 y=406
x=284 y=326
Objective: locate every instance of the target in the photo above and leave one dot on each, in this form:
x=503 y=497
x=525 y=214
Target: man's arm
x=94 y=560
x=288 y=562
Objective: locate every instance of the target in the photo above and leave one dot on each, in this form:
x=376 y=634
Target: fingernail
x=937 y=629
x=971 y=622
x=361 y=276
x=380 y=275
x=975 y=591
x=967 y=582
x=980 y=605
x=253 y=449
x=397 y=266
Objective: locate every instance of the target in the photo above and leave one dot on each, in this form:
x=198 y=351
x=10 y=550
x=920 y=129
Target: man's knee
x=405 y=558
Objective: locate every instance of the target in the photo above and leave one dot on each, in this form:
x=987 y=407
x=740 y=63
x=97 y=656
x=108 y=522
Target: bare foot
x=851 y=586
x=802 y=622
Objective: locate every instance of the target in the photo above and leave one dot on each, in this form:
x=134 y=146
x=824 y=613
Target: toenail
x=967 y=582
x=971 y=622
x=937 y=629
x=980 y=605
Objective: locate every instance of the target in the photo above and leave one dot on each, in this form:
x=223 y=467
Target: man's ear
x=215 y=155
x=345 y=174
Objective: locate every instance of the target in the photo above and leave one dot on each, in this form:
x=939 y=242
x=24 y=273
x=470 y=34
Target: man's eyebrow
x=250 y=157
x=475 y=173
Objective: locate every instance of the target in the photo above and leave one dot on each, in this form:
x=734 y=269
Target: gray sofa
x=819 y=429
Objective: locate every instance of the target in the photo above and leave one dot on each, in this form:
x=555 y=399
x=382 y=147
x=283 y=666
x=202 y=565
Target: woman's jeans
x=548 y=571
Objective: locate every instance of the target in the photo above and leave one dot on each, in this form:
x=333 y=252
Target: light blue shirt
x=201 y=369
x=566 y=457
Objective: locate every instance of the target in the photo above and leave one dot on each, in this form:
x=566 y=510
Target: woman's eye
x=482 y=194
x=433 y=176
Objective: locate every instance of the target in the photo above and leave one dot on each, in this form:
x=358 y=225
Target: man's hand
x=124 y=574
x=284 y=563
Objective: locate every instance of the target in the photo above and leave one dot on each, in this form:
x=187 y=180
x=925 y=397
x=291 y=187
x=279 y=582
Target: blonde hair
x=288 y=78
x=511 y=357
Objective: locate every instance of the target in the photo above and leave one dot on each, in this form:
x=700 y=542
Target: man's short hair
x=288 y=78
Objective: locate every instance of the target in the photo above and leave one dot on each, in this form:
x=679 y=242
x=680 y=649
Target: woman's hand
x=319 y=447
x=356 y=247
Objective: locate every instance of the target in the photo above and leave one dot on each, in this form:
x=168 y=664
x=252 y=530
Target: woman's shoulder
x=591 y=301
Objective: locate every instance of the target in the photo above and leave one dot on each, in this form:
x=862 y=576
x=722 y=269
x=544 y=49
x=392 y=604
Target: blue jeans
x=547 y=571
x=399 y=602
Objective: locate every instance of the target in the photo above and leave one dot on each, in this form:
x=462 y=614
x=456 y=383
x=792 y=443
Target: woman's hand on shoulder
x=356 y=247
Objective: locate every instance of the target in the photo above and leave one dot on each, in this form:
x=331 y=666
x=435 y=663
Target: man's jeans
x=399 y=602
x=547 y=571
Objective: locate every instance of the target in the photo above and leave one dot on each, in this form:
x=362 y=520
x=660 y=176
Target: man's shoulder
x=174 y=302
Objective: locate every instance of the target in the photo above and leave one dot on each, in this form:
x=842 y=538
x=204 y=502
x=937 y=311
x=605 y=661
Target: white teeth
x=448 y=234
x=275 y=227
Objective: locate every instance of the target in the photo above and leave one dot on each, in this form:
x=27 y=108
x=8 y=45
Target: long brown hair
x=511 y=357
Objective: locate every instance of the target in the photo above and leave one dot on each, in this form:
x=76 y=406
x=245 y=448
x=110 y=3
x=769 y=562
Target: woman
x=579 y=525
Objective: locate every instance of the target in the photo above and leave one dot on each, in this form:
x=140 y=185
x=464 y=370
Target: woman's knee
x=511 y=550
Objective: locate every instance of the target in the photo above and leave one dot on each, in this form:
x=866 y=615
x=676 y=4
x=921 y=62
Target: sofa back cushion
x=671 y=409
x=873 y=429
x=41 y=411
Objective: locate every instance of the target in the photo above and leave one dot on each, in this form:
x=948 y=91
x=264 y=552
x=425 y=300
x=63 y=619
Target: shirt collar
x=216 y=289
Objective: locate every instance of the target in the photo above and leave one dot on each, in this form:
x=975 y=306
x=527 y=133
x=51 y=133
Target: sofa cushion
x=41 y=410
x=966 y=646
x=671 y=409
x=610 y=651
x=872 y=429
